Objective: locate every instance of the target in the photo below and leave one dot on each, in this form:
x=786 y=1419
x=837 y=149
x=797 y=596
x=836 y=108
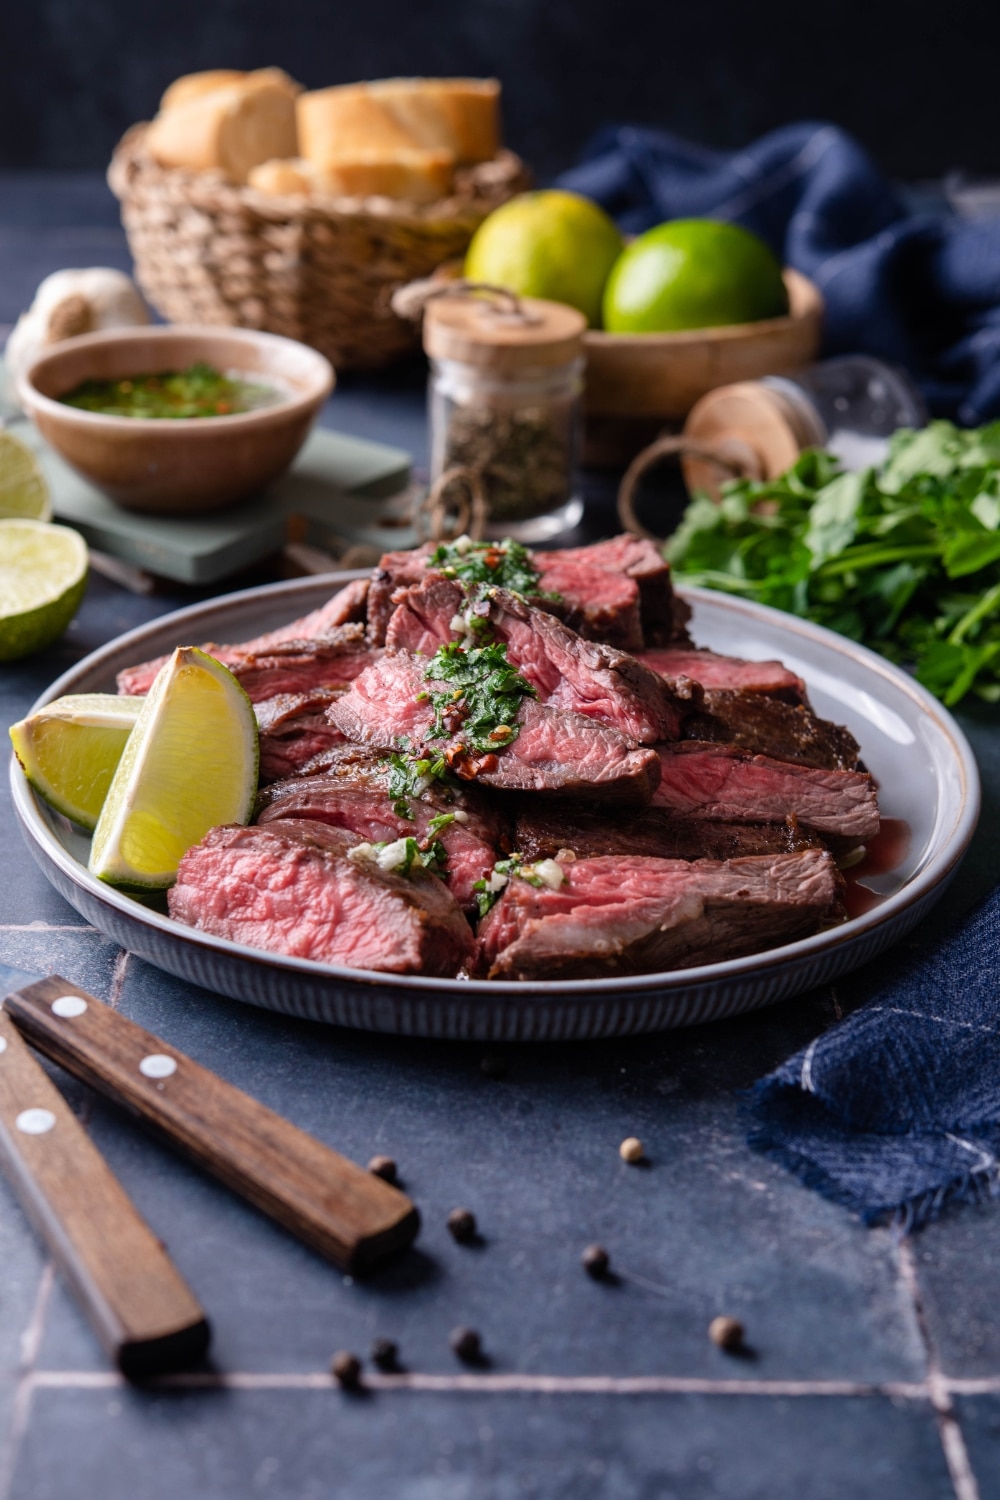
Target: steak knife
x=350 y=1216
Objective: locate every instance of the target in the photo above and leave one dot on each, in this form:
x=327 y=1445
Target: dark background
x=918 y=83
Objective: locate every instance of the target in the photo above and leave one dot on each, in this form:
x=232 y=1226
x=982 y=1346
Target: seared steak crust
x=294 y=730
x=632 y=557
x=635 y=915
x=767 y=726
x=582 y=677
x=555 y=752
x=290 y=889
x=541 y=832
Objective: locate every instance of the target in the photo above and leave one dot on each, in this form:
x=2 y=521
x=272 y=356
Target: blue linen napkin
x=920 y=291
x=895 y=1113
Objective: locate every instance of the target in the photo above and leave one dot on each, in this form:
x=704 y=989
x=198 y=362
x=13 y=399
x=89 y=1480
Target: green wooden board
x=339 y=487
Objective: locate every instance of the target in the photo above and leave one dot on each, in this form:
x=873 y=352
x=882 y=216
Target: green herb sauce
x=484 y=701
x=199 y=391
x=505 y=565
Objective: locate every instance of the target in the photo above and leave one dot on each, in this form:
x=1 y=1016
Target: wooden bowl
x=638 y=383
x=174 y=466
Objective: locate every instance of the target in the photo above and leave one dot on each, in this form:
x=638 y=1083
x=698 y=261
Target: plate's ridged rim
x=415 y=1005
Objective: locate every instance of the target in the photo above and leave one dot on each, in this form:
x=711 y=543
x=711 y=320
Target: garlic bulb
x=69 y=303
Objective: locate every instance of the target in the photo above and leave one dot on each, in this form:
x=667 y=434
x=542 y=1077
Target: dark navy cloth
x=923 y=292
x=896 y=1111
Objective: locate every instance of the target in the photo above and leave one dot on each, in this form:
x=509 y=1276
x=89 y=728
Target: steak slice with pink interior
x=290 y=888
x=294 y=730
x=730 y=673
x=472 y=845
x=726 y=784
x=346 y=607
x=541 y=832
x=582 y=677
x=600 y=605
x=554 y=752
x=304 y=666
x=662 y=615
x=633 y=915
x=767 y=726
x=396 y=570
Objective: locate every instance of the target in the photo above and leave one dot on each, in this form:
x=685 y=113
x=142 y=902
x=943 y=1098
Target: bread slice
x=280 y=178
x=194 y=85
x=231 y=129
x=460 y=115
x=406 y=174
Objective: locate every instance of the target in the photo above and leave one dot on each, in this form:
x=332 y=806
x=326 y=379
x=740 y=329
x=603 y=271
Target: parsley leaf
x=505 y=565
x=485 y=697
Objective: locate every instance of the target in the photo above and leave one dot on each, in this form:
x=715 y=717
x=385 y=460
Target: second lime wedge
x=69 y=750
x=189 y=764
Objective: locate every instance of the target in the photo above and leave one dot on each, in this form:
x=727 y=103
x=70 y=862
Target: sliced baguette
x=230 y=129
x=460 y=115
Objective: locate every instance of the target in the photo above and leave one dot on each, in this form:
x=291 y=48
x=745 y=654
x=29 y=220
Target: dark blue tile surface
x=312 y=1445
x=705 y=1228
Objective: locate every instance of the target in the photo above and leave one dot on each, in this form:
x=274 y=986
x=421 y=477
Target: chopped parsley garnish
x=545 y=872
x=505 y=565
x=484 y=699
x=439 y=821
x=410 y=776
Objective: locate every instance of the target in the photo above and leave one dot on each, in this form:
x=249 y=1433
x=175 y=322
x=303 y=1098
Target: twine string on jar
x=733 y=456
x=408 y=302
x=445 y=517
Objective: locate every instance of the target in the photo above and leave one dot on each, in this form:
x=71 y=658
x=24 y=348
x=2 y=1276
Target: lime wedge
x=43 y=573
x=23 y=490
x=70 y=748
x=189 y=763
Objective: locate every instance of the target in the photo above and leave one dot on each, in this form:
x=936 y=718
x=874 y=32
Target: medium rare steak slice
x=726 y=784
x=294 y=730
x=540 y=832
x=396 y=570
x=304 y=666
x=554 y=752
x=662 y=615
x=727 y=672
x=767 y=726
x=346 y=607
x=633 y=915
x=290 y=888
x=472 y=842
x=582 y=677
x=598 y=604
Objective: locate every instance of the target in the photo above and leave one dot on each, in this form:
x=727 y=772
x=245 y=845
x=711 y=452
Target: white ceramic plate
x=919 y=756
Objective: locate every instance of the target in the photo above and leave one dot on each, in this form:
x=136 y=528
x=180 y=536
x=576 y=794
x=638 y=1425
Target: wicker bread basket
x=315 y=269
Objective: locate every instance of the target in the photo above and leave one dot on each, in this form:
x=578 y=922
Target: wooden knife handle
x=141 y=1308
x=344 y=1212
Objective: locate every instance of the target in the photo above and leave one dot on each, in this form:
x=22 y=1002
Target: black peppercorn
x=596 y=1261
x=727 y=1333
x=466 y=1344
x=462 y=1225
x=385 y=1354
x=346 y=1368
x=384 y=1167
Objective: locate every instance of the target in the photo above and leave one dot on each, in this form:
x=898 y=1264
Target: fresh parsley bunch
x=905 y=558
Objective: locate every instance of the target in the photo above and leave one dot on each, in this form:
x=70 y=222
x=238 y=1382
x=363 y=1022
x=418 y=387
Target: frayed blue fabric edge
x=903 y=1218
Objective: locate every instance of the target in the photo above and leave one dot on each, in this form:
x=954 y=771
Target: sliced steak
x=289 y=888
x=634 y=915
x=346 y=607
x=730 y=673
x=726 y=784
x=472 y=845
x=599 y=604
x=304 y=666
x=540 y=832
x=627 y=556
x=582 y=677
x=554 y=752
x=294 y=731
x=767 y=726
x=396 y=570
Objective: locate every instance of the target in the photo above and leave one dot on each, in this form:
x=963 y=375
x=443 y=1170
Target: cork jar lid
x=501 y=332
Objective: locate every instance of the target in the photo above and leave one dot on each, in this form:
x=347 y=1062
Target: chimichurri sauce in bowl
x=198 y=391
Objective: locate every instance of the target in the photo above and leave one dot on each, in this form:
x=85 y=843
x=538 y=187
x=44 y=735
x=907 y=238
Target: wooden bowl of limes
x=638 y=383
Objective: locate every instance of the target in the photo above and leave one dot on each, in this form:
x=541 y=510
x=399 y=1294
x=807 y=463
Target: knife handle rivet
x=35 y=1121
x=157 y=1065
x=68 y=1006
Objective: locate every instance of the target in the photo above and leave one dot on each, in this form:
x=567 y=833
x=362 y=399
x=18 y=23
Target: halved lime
x=23 y=490
x=70 y=748
x=189 y=763
x=43 y=573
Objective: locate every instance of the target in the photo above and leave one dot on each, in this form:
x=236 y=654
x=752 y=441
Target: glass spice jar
x=504 y=398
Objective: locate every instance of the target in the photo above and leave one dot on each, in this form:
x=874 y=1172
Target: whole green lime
x=693 y=273
x=548 y=244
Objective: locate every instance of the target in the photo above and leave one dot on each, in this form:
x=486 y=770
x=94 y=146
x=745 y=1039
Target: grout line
x=31 y=1341
x=118 y=978
x=939 y=1388
x=496 y=1384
